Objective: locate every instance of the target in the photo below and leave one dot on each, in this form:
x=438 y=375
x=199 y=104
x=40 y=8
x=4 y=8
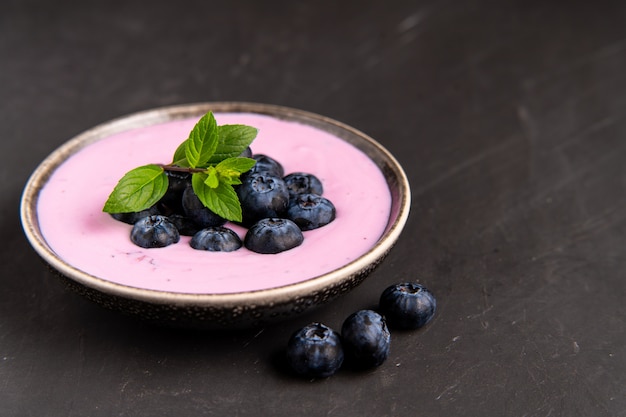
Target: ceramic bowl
x=220 y=310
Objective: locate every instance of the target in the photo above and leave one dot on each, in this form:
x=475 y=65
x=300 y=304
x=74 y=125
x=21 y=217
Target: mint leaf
x=228 y=171
x=236 y=166
x=212 y=179
x=139 y=189
x=202 y=142
x=231 y=180
x=233 y=139
x=222 y=200
x=180 y=155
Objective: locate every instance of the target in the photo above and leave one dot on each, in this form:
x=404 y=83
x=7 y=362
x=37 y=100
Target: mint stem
x=176 y=168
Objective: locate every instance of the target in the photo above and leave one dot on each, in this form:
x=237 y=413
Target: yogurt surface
x=73 y=223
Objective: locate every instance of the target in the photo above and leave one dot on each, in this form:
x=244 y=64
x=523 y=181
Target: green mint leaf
x=180 y=156
x=232 y=180
x=212 y=179
x=202 y=142
x=229 y=170
x=139 y=189
x=233 y=140
x=237 y=165
x=222 y=200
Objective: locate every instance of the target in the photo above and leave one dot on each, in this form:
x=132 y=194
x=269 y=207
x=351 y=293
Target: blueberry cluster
x=276 y=209
x=318 y=351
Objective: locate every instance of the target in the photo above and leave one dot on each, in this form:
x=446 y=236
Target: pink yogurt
x=72 y=222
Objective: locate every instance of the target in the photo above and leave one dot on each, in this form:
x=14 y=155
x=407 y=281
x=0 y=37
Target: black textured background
x=509 y=118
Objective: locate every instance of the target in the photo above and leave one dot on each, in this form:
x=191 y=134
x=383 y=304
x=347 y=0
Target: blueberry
x=310 y=211
x=133 y=217
x=216 y=239
x=185 y=226
x=172 y=201
x=366 y=338
x=154 y=232
x=315 y=351
x=273 y=235
x=262 y=195
x=303 y=183
x=268 y=165
x=198 y=212
x=407 y=305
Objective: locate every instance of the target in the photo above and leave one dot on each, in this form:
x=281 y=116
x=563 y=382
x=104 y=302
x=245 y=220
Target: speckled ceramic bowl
x=220 y=310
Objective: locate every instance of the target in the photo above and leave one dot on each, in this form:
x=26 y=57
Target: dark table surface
x=510 y=120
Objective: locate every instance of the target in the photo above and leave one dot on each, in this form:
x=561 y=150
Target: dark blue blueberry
x=154 y=232
x=185 y=226
x=315 y=351
x=273 y=235
x=262 y=195
x=216 y=239
x=133 y=217
x=303 y=183
x=267 y=165
x=310 y=211
x=198 y=212
x=366 y=339
x=172 y=201
x=407 y=305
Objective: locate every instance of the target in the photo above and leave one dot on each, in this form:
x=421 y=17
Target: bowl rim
x=268 y=296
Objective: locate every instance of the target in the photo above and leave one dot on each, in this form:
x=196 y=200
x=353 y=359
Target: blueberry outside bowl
x=219 y=310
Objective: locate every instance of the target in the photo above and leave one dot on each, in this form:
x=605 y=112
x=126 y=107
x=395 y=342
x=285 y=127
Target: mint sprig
x=210 y=154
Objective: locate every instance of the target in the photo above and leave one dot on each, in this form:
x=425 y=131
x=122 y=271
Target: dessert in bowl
x=63 y=219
